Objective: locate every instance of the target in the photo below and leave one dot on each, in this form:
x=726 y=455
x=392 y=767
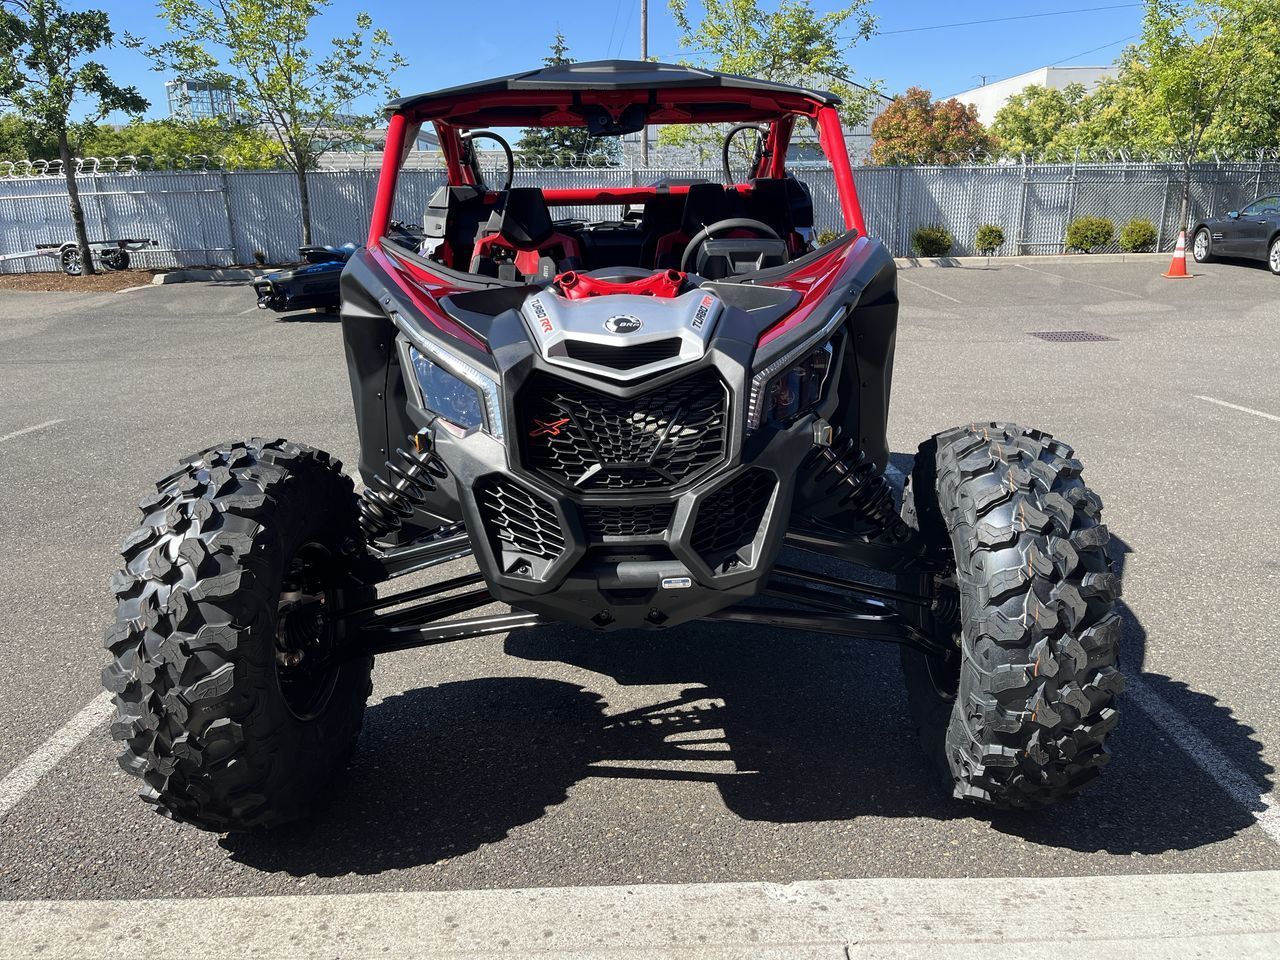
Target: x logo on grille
x=545 y=429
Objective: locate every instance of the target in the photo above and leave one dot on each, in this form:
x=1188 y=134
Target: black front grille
x=729 y=519
x=517 y=520
x=592 y=441
x=623 y=358
x=646 y=520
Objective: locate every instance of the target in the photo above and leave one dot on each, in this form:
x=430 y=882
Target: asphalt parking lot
x=555 y=758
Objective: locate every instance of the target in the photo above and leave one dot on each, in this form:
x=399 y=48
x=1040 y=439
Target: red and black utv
x=624 y=421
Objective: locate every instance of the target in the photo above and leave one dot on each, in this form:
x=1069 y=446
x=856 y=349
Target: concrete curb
x=1211 y=916
x=911 y=262
x=193 y=276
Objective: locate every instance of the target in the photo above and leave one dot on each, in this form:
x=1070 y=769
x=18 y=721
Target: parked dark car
x=1253 y=232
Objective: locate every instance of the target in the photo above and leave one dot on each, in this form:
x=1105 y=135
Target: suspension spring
x=846 y=479
x=410 y=476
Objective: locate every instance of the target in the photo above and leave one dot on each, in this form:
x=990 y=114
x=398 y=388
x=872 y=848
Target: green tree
x=20 y=140
x=1193 y=66
x=787 y=44
x=259 y=50
x=915 y=128
x=241 y=146
x=1040 y=121
x=566 y=146
x=45 y=71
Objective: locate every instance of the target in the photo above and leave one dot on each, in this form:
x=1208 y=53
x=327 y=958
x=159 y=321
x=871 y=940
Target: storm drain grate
x=1070 y=336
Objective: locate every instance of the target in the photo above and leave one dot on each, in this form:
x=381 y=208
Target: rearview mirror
x=600 y=124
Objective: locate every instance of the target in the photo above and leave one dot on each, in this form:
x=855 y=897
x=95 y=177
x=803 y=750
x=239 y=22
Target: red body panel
x=578 y=286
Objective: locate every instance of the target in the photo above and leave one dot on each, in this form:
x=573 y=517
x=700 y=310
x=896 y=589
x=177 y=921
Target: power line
x=1024 y=16
x=1094 y=50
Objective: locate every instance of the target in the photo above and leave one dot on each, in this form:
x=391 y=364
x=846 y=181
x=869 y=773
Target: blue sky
x=447 y=43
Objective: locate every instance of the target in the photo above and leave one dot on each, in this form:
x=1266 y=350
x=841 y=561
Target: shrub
x=1138 y=236
x=990 y=238
x=824 y=237
x=1089 y=233
x=932 y=241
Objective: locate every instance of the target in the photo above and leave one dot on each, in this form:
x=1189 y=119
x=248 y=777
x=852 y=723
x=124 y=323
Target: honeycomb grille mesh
x=729 y=519
x=518 y=520
x=592 y=441
x=646 y=520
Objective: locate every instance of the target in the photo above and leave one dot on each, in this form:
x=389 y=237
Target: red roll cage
x=454 y=112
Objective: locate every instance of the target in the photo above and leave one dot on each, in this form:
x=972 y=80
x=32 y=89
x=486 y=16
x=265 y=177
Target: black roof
x=613 y=75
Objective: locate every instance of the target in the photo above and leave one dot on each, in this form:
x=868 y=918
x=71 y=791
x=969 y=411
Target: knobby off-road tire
x=239 y=553
x=1017 y=717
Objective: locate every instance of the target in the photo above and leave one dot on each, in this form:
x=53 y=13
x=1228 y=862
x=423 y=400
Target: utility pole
x=644 y=55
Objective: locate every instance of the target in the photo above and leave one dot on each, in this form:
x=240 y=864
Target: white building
x=991 y=97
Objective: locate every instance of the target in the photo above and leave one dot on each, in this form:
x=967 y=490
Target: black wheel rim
x=306 y=636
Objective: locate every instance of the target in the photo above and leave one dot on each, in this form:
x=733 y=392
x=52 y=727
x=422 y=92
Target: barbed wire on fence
x=129 y=163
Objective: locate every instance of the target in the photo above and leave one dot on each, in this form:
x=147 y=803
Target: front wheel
x=1017 y=713
x=232 y=700
x=1273 y=256
x=1202 y=246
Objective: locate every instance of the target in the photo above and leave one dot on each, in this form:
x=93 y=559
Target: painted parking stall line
x=25 y=430
x=1230 y=778
x=20 y=781
x=936 y=293
x=1087 y=283
x=1236 y=406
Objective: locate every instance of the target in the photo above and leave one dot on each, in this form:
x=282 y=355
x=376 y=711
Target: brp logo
x=623 y=324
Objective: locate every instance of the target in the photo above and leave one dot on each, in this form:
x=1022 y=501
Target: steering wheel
x=763 y=230
x=472 y=157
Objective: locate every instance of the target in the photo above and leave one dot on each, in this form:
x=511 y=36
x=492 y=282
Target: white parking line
x=1087 y=283
x=936 y=293
x=1223 y=916
x=245 y=313
x=1236 y=406
x=1242 y=788
x=145 y=286
x=19 y=781
x=25 y=430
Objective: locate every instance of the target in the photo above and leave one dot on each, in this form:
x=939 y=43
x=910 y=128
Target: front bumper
x=639 y=555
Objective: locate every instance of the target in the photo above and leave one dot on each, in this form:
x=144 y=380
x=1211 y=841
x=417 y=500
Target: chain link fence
x=216 y=217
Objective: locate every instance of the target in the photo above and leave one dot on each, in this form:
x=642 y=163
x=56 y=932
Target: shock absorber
x=843 y=478
x=410 y=476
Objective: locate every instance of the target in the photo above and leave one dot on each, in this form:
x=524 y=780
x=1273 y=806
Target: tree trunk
x=73 y=201
x=1184 y=205
x=304 y=199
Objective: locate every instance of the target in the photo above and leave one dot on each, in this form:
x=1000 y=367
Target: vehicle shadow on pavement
x=814 y=728
x=1153 y=797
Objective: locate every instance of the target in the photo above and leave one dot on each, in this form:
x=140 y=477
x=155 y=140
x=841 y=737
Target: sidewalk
x=1172 y=915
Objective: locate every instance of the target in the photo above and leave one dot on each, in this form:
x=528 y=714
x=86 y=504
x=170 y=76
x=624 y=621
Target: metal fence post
x=226 y=206
x=1020 y=233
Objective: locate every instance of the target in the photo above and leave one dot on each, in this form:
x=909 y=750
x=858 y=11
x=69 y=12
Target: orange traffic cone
x=1178 y=267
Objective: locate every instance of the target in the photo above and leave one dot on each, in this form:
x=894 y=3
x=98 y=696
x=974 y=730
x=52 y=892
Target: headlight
x=455 y=390
x=793 y=384
x=796 y=390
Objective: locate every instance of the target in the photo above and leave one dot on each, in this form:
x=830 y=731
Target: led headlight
x=793 y=384
x=796 y=390
x=455 y=390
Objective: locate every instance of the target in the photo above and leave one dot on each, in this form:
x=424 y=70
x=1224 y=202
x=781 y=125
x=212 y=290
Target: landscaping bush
x=824 y=237
x=932 y=241
x=990 y=238
x=1089 y=233
x=1138 y=236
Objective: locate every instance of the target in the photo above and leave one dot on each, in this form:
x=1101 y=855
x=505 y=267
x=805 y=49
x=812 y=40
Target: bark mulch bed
x=49 y=282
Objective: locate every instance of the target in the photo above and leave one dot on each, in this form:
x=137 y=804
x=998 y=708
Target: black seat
x=454 y=215
x=521 y=217
x=783 y=203
x=662 y=213
x=708 y=203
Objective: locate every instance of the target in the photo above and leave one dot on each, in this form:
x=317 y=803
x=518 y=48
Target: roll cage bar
x=454 y=114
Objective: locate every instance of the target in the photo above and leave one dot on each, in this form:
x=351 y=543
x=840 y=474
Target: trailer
x=112 y=254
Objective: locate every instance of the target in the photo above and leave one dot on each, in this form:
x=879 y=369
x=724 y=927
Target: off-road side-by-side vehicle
x=623 y=420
